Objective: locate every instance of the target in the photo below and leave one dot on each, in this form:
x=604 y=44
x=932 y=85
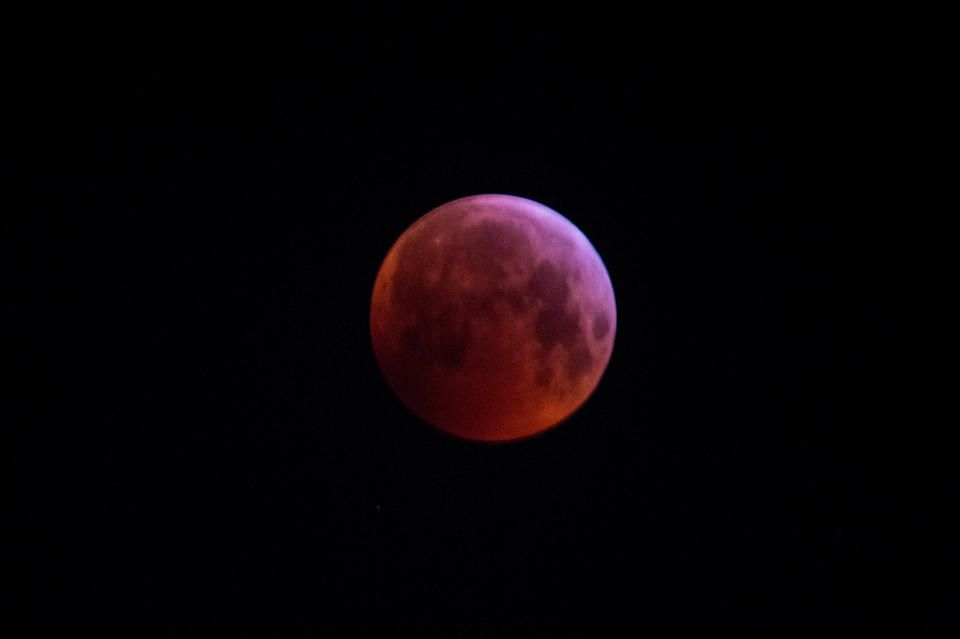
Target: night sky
x=203 y=445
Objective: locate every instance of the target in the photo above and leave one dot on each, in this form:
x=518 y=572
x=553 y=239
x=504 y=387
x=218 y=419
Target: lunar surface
x=493 y=318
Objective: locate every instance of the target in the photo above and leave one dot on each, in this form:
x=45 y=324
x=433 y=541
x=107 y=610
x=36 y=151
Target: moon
x=493 y=318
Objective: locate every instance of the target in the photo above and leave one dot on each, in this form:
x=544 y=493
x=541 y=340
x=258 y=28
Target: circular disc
x=493 y=318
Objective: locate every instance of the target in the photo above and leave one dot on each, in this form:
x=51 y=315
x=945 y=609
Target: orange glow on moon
x=493 y=318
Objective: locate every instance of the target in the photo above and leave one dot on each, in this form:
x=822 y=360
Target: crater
x=601 y=326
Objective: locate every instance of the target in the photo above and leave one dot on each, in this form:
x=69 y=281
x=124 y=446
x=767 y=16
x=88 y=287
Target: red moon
x=493 y=318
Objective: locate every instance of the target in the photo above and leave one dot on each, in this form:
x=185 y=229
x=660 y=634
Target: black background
x=203 y=443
